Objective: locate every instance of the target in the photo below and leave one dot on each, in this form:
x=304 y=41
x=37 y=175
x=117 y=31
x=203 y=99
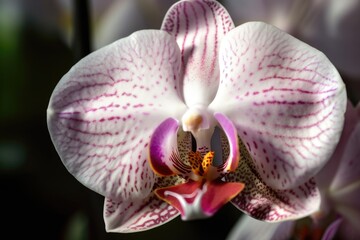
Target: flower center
x=200 y=165
x=195 y=119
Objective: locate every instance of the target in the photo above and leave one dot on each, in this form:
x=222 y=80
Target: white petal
x=199 y=27
x=103 y=111
x=286 y=100
x=135 y=216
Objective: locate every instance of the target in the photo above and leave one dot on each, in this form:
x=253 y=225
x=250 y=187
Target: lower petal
x=141 y=214
x=135 y=216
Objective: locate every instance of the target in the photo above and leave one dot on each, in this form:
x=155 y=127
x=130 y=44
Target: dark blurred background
x=39 y=41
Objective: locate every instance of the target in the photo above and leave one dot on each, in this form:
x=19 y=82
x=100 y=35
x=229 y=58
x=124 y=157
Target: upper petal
x=198 y=27
x=285 y=98
x=103 y=111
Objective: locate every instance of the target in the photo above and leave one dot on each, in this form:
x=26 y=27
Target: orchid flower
x=321 y=23
x=339 y=185
x=184 y=119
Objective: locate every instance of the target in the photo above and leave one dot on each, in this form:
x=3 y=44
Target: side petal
x=141 y=214
x=267 y=204
x=198 y=27
x=285 y=98
x=248 y=228
x=103 y=111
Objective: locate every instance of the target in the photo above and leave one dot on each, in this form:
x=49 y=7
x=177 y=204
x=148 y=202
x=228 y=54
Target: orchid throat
x=193 y=199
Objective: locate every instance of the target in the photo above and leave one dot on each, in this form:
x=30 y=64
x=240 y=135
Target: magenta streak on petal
x=164 y=155
x=231 y=133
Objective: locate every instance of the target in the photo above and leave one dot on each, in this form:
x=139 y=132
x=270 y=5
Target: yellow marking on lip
x=199 y=165
x=207 y=161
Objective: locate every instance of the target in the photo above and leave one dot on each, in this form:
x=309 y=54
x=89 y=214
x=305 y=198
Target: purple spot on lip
x=158 y=144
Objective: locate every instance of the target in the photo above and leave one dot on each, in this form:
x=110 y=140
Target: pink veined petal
x=103 y=111
x=139 y=215
x=286 y=100
x=164 y=155
x=198 y=27
x=248 y=228
x=265 y=203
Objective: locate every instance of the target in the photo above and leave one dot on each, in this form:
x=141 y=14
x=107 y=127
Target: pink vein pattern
x=137 y=216
x=286 y=100
x=102 y=113
x=143 y=214
x=198 y=27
